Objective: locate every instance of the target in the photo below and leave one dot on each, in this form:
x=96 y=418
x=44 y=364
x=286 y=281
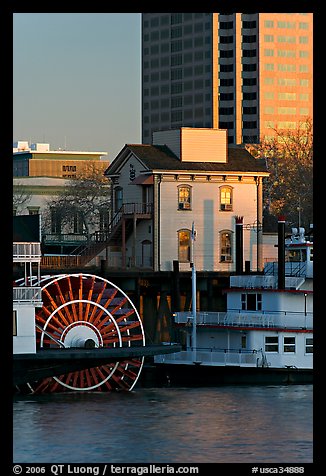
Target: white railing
x=264 y=281
x=247 y=281
x=280 y=319
x=26 y=251
x=201 y=317
x=214 y=357
x=27 y=295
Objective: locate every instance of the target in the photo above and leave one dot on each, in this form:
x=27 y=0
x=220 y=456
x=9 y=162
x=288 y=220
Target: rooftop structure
x=37 y=160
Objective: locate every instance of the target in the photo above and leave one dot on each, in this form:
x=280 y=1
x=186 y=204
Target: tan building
x=40 y=176
x=187 y=176
x=247 y=73
x=39 y=161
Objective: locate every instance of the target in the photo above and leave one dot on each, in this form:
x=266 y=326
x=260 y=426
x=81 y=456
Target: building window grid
x=289 y=52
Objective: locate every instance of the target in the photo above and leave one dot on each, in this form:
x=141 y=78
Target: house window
x=33 y=210
x=271 y=344
x=78 y=222
x=14 y=328
x=104 y=219
x=118 y=198
x=309 y=345
x=146 y=255
x=226 y=246
x=226 y=198
x=184 y=246
x=55 y=221
x=251 y=302
x=289 y=344
x=184 y=197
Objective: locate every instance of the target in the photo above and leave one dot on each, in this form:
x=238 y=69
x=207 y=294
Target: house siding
x=209 y=222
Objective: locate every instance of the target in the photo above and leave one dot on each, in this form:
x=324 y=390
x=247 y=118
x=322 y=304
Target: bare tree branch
x=289 y=159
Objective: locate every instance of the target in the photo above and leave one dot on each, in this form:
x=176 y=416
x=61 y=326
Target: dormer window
x=184 y=197
x=226 y=198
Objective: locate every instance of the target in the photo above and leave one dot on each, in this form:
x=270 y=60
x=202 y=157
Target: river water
x=225 y=424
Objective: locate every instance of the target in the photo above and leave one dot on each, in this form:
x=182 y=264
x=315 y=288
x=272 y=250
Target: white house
x=186 y=176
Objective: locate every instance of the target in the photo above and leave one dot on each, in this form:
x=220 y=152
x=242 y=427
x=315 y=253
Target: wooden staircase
x=118 y=231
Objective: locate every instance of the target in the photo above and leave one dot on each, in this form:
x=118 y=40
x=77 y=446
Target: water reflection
x=228 y=424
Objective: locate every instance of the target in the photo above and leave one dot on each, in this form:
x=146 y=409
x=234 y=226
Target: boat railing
x=215 y=357
x=264 y=282
x=237 y=318
x=247 y=281
x=26 y=251
x=292 y=268
x=30 y=295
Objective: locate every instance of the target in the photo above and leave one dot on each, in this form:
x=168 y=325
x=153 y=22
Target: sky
x=77 y=80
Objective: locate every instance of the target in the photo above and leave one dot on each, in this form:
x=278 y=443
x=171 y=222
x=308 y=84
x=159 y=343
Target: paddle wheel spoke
x=80 y=308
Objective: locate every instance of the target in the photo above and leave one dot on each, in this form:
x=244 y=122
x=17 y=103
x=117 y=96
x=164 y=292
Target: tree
x=83 y=206
x=289 y=159
x=20 y=197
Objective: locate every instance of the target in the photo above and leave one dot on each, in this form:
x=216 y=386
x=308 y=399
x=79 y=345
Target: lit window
x=226 y=198
x=287 y=110
x=184 y=246
x=226 y=246
x=184 y=197
x=271 y=344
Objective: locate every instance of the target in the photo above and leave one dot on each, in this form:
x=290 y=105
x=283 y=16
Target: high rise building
x=247 y=73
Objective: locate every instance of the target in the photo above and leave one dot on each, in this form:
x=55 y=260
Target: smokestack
x=281 y=252
x=238 y=245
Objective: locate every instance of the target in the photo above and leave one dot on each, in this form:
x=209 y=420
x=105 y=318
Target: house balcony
x=79 y=250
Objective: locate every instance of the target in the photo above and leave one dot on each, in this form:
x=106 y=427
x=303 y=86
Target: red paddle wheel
x=87 y=311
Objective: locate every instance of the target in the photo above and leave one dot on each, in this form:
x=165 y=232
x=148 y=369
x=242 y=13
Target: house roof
x=161 y=158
